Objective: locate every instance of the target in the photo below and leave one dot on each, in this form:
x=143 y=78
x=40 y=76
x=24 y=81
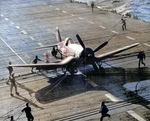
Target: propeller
x=80 y=41
x=89 y=53
x=101 y=46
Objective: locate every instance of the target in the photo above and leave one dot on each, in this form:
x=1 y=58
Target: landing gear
x=72 y=70
x=99 y=64
x=54 y=52
x=64 y=70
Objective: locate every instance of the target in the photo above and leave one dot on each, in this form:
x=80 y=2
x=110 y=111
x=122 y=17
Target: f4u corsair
x=76 y=54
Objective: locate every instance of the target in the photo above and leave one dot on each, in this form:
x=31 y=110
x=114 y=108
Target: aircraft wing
x=47 y=66
x=106 y=55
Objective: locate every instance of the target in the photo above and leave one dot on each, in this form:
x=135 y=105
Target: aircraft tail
x=58 y=37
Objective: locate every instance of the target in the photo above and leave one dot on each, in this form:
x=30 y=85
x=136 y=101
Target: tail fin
x=58 y=37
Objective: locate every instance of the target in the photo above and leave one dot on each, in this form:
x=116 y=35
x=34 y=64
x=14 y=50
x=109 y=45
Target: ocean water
x=141 y=8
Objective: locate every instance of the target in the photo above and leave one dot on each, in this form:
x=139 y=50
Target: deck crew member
x=141 y=57
x=10 y=69
x=103 y=111
x=35 y=62
x=123 y=24
x=27 y=110
x=13 y=84
x=92 y=6
x=46 y=57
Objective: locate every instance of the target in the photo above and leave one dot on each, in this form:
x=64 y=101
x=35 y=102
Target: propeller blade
x=104 y=44
x=80 y=41
x=101 y=46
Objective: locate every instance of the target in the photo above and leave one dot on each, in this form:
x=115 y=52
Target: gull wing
x=106 y=55
x=48 y=66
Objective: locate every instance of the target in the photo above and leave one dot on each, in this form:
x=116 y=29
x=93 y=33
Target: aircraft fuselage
x=69 y=48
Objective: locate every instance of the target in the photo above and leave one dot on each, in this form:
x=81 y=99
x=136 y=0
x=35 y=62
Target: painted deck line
x=112 y=98
x=91 y=82
x=32 y=38
x=24 y=32
x=114 y=32
x=2 y=15
x=64 y=11
x=130 y=38
x=136 y=116
x=91 y=22
x=12 y=22
x=99 y=7
x=41 y=45
x=6 y=19
x=13 y=51
x=57 y=9
x=146 y=44
x=80 y=18
x=102 y=27
x=72 y=15
x=17 y=27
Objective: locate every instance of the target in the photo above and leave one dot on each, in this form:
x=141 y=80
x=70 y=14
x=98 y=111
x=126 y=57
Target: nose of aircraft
x=87 y=53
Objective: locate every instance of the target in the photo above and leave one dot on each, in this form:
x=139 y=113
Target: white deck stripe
x=102 y=27
x=146 y=44
x=12 y=22
x=112 y=98
x=13 y=51
x=32 y=38
x=57 y=9
x=2 y=15
x=64 y=11
x=80 y=18
x=6 y=19
x=130 y=38
x=91 y=22
x=41 y=45
x=136 y=116
x=72 y=15
x=24 y=32
x=17 y=27
x=114 y=32
x=91 y=82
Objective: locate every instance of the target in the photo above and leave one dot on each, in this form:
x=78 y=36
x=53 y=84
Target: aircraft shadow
x=20 y=97
x=27 y=100
x=63 y=87
x=25 y=88
x=115 y=78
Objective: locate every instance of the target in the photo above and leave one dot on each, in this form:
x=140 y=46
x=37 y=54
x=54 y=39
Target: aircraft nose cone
x=88 y=52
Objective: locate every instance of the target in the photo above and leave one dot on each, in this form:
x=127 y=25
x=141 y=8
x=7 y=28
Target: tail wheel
x=64 y=70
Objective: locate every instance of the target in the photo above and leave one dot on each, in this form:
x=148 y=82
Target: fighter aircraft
x=76 y=54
